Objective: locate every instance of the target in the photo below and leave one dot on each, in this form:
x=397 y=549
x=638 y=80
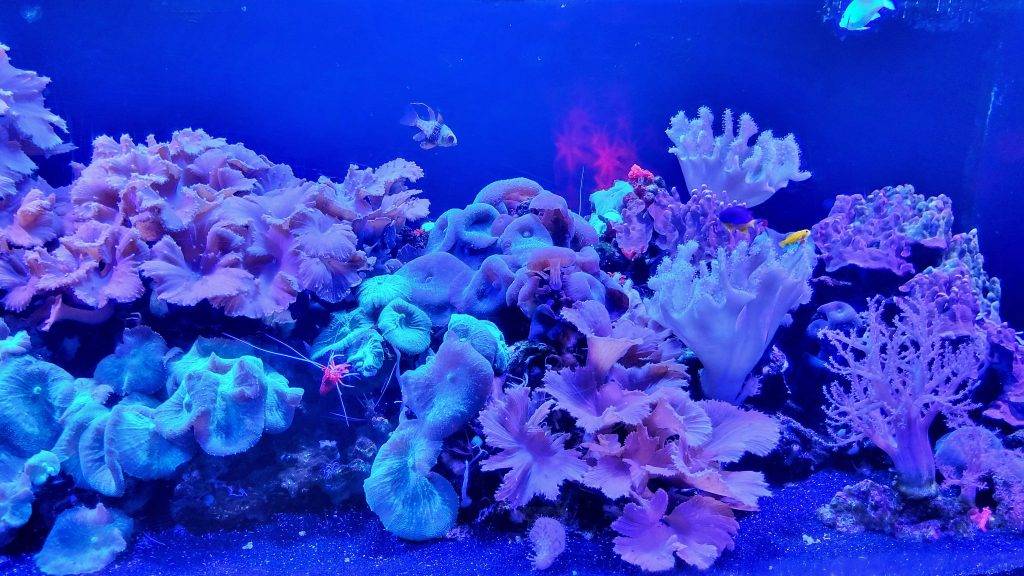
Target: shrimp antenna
x=579 y=207
x=264 y=350
x=289 y=346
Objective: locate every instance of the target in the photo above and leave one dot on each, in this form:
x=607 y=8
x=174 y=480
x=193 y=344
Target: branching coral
x=728 y=163
x=728 y=309
x=879 y=231
x=901 y=376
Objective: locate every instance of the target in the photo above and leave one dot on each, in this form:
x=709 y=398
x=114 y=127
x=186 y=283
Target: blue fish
x=736 y=218
x=860 y=13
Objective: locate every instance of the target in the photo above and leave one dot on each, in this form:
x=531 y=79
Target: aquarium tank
x=470 y=287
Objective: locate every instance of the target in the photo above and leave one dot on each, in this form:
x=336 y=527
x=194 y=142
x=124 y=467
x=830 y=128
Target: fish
x=737 y=218
x=795 y=238
x=433 y=131
x=860 y=13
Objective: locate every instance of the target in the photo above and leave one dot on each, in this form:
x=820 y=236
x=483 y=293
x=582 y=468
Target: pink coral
x=537 y=461
x=697 y=531
x=902 y=375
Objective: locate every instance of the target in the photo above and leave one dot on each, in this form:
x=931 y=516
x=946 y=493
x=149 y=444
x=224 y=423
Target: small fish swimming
x=432 y=129
x=737 y=218
x=795 y=238
x=860 y=13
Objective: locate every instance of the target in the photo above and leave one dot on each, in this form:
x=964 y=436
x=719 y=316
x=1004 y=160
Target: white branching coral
x=728 y=163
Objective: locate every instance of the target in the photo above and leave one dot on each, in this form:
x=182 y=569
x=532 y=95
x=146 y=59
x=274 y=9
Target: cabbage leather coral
x=27 y=127
x=901 y=376
x=84 y=540
x=879 y=231
x=728 y=309
x=728 y=163
x=536 y=460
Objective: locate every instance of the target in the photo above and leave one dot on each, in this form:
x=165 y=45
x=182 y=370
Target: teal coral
x=84 y=540
x=405 y=327
x=137 y=364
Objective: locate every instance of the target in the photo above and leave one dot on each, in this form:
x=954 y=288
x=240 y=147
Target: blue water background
x=320 y=84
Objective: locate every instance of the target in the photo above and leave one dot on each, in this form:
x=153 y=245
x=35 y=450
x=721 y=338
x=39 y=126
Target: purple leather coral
x=878 y=231
x=900 y=376
x=727 y=163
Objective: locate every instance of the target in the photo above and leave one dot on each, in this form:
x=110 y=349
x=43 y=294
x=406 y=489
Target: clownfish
x=795 y=238
x=432 y=129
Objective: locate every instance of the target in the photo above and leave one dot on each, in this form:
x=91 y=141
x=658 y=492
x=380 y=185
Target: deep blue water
x=320 y=84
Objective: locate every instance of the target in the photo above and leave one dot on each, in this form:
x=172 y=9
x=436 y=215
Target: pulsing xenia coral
x=727 y=163
x=727 y=309
x=901 y=375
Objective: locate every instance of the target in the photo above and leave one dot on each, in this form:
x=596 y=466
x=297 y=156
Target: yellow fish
x=795 y=237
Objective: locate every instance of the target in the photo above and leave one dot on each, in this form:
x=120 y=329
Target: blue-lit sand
x=772 y=542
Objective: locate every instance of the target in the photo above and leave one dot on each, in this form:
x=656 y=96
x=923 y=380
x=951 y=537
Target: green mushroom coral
x=226 y=403
x=405 y=327
x=32 y=393
x=18 y=481
x=412 y=501
x=84 y=540
x=136 y=364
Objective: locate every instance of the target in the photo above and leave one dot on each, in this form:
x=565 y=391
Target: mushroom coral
x=448 y=391
x=227 y=403
x=405 y=327
x=411 y=500
x=728 y=309
x=137 y=364
x=84 y=540
x=32 y=394
x=728 y=163
x=18 y=482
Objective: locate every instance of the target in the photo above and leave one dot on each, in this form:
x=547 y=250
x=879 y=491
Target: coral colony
x=505 y=355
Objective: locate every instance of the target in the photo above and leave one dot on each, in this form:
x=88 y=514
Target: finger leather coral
x=411 y=500
x=728 y=309
x=728 y=162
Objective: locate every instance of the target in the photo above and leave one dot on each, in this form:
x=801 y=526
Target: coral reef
x=510 y=361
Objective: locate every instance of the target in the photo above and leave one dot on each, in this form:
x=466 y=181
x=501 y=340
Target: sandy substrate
x=783 y=539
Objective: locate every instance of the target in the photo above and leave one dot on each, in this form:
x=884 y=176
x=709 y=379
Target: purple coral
x=879 y=231
x=727 y=163
x=901 y=376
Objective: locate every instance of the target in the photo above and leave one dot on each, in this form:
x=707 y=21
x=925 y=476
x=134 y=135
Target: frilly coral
x=728 y=309
x=537 y=461
x=728 y=163
x=84 y=540
x=412 y=501
x=547 y=536
x=696 y=531
x=878 y=231
x=27 y=127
